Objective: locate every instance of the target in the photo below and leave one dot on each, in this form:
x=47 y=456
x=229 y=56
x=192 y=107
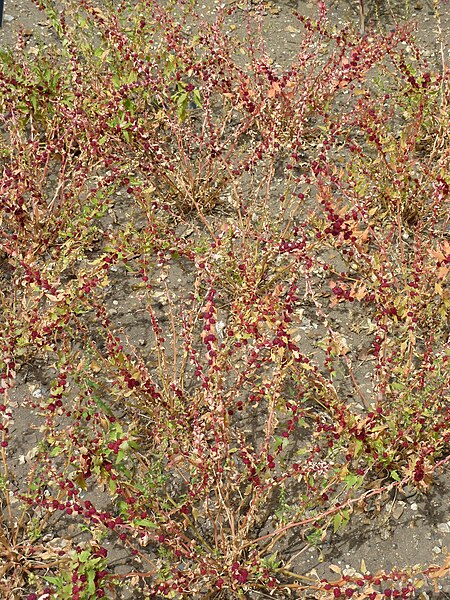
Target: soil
x=406 y=529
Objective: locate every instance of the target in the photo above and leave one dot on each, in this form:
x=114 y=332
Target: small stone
x=414 y=506
x=398 y=509
x=436 y=550
x=443 y=527
x=220 y=325
x=8 y=18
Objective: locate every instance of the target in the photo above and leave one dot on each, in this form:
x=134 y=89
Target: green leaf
x=82 y=21
x=352 y=480
x=112 y=486
x=278 y=442
x=91 y=582
x=145 y=523
x=128 y=105
x=340 y=519
x=397 y=386
x=83 y=556
x=132 y=77
x=337 y=521
x=197 y=98
x=358 y=446
x=395 y=476
x=271 y=561
x=117 y=82
x=54 y=580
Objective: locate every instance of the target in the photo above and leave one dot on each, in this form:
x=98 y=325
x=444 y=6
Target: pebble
x=414 y=506
x=8 y=18
x=443 y=527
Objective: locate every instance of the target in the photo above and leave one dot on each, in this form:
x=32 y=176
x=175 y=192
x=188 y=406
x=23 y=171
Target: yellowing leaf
x=273 y=91
x=438 y=289
x=443 y=272
x=335 y=569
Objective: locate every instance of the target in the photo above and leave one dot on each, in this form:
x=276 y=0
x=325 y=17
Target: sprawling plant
x=233 y=279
